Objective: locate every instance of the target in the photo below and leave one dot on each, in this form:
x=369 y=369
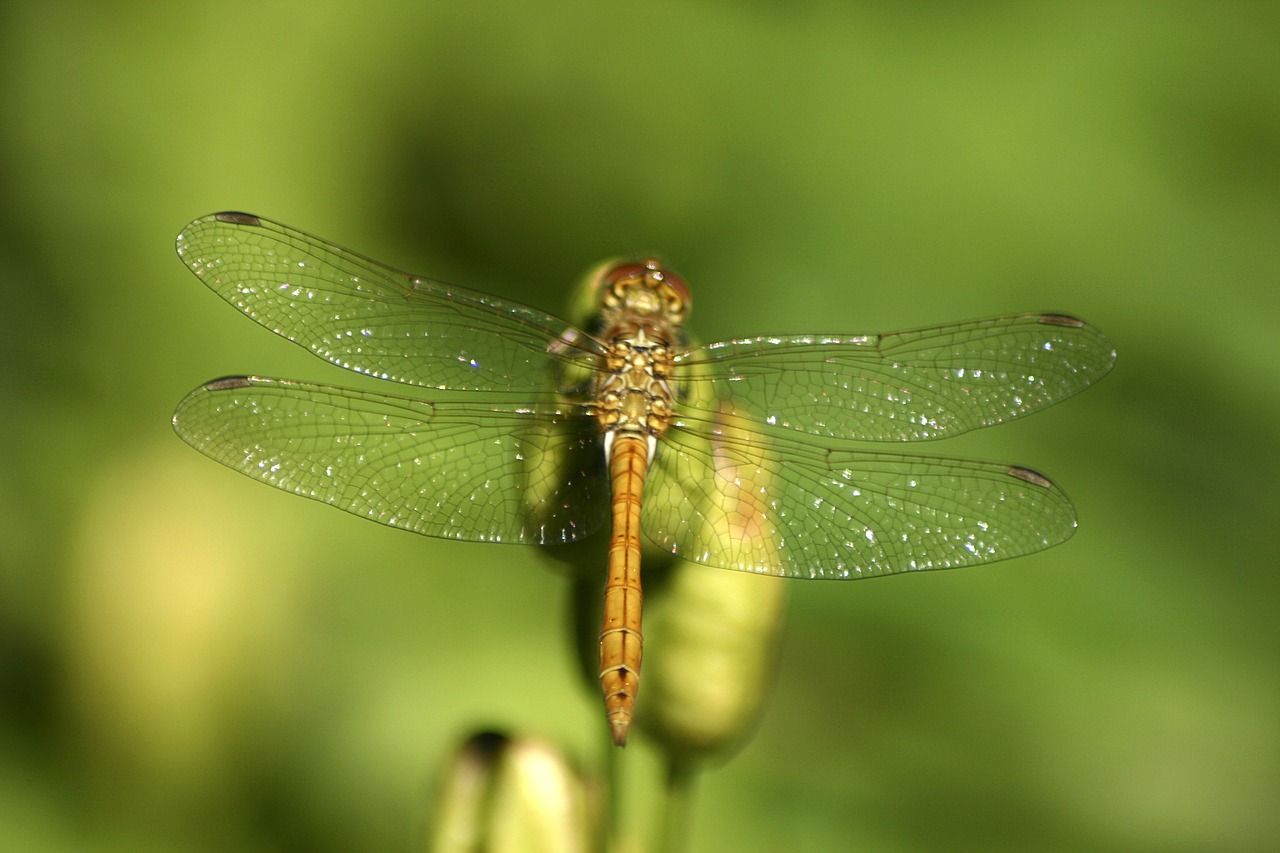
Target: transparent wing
x=373 y=319
x=725 y=494
x=479 y=471
x=905 y=386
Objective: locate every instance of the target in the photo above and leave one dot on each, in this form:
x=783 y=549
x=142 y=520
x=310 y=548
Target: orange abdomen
x=620 y=638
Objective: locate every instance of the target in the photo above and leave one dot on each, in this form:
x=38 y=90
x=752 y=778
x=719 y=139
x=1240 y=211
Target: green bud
x=502 y=794
x=710 y=642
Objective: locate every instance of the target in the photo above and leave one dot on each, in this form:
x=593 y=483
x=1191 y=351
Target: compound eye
x=678 y=286
x=631 y=269
x=678 y=297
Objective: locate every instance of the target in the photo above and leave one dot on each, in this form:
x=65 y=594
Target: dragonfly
x=743 y=454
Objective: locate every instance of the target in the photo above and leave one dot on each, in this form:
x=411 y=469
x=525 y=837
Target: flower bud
x=503 y=794
x=710 y=640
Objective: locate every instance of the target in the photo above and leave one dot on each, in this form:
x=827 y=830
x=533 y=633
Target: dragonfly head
x=643 y=288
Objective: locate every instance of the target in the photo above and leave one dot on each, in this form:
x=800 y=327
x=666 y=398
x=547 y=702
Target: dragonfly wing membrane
x=734 y=497
x=373 y=319
x=474 y=470
x=913 y=385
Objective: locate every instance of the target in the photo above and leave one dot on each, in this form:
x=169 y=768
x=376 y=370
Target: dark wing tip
x=237 y=218
x=1061 y=320
x=228 y=383
x=1035 y=478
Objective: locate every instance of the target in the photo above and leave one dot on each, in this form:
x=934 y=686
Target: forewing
x=912 y=385
x=373 y=319
x=481 y=471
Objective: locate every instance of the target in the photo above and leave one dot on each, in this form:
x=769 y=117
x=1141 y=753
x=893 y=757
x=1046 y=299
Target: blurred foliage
x=190 y=661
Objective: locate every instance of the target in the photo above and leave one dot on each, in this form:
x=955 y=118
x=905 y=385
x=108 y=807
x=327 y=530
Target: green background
x=191 y=661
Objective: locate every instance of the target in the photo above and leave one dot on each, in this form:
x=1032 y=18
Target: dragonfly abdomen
x=620 y=632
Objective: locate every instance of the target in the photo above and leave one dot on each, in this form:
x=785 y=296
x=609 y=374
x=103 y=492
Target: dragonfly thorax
x=633 y=394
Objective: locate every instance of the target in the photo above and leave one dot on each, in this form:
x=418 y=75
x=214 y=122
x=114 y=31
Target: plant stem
x=676 y=807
